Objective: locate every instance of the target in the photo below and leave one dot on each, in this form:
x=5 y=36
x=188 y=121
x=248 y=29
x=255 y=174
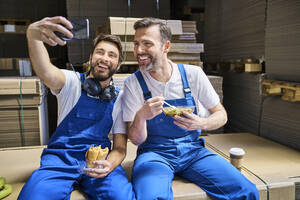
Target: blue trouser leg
x=152 y=177
x=114 y=186
x=49 y=184
x=220 y=179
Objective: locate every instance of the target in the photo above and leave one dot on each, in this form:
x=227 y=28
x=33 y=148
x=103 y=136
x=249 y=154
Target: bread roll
x=95 y=153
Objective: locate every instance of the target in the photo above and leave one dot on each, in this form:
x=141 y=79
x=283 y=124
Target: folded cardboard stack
x=280 y=121
x=234 y=30
x=242 y=101
x=23 y=112
x=189 y=31
x=212 y=31
x=282 y=40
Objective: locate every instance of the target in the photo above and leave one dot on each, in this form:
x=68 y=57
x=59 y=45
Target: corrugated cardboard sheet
x=277 y=165
x=242 y=101
x=23 y=112
x=282 y=40
x=15 y=91
x=280 y=121
x=234 y=30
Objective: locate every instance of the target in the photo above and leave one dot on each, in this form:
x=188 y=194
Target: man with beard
x=85 y=117
x=171 y=145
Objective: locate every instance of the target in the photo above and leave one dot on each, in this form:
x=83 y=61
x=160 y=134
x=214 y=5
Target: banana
x=2 y=182
x=5 y=191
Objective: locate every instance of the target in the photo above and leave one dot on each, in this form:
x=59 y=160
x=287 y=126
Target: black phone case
x=80 y=30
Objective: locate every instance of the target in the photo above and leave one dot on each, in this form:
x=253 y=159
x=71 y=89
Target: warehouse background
x=225 y=36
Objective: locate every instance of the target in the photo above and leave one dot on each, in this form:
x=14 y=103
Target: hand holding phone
x=80 y=30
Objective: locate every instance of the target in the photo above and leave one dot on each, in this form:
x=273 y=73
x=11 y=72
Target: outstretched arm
x=42 y=32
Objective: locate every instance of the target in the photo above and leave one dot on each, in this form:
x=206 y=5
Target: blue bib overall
x=170 y=150
x=87 y=124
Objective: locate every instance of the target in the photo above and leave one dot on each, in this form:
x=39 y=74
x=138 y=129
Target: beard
x=153 y=65
x=102 y=76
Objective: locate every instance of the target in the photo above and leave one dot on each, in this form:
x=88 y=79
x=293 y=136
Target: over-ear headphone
x=93 y=88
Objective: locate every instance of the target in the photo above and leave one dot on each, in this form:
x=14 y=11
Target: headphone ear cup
x=109 y=93
x=92 y=87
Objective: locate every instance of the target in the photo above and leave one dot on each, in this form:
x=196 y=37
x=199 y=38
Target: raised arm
x=137 y=131
x=42 y=32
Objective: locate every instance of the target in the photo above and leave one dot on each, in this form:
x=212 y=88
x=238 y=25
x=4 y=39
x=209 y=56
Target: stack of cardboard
x=212 y=31
x=234 y=30
x=242 y=101
x=179 y=52
x=189 y=31
x=280 y=121
x=243 y=29
x=282 y=40
x=23 y=112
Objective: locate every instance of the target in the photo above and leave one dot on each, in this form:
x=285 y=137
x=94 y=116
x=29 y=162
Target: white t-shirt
x=201 y=89
x=69 y=96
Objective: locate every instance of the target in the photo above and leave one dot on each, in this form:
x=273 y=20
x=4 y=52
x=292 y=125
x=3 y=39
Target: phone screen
x=80 y=30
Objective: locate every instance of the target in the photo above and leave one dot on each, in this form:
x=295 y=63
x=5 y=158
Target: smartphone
x=80 y=30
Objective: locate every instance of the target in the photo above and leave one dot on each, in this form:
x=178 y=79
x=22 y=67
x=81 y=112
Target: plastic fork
x=169 y=105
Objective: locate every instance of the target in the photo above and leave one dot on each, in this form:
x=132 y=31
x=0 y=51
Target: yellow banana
x=5 y=191
x=2 y=182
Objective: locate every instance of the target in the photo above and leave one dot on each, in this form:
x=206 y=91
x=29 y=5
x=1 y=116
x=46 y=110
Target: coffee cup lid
x=237 y=151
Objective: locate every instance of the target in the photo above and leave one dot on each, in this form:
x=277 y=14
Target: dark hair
x=110 y=38
x=165 y=31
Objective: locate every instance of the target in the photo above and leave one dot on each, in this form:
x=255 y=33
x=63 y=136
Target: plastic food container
x=171 y=112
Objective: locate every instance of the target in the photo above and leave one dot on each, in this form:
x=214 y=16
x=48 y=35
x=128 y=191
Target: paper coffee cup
x=236 y=157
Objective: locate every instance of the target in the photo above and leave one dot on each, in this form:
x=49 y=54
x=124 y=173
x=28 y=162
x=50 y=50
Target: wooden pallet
x=241 y=65
x=287 y=90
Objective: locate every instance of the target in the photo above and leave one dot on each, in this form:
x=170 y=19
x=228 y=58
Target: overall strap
x=185 y=83
x=146 y=92
x=82 y=77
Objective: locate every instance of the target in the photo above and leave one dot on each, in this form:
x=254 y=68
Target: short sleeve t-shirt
x=69 y=96
x=201 y=89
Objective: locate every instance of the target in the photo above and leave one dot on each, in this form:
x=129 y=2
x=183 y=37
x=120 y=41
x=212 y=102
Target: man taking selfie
x=88 y=107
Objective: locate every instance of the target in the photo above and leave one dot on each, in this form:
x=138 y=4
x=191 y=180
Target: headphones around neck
x=93 y=88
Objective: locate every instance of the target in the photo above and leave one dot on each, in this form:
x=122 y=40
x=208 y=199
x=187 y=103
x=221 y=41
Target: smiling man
x=88 y=107
x=172 y=145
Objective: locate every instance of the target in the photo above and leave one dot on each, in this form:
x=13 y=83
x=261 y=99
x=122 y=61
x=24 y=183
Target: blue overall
x=170 y=150
x=87 y=124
